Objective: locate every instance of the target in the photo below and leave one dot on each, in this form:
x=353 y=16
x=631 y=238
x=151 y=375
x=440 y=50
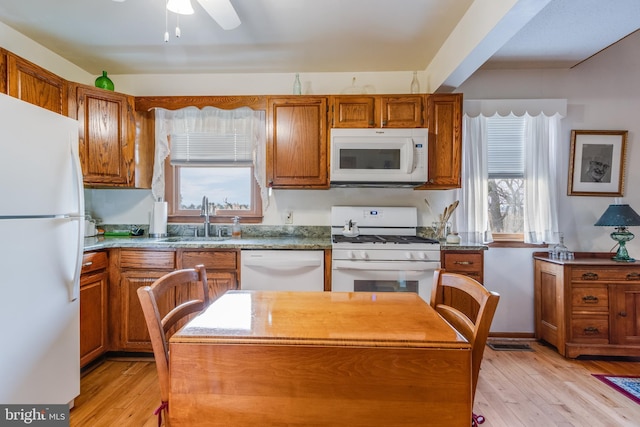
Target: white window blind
x=209 y=148
x=505 y=146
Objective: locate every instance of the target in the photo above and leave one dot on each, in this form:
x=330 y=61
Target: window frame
x=172 y=183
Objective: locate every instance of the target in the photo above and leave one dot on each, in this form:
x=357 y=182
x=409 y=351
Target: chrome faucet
x=204 y=211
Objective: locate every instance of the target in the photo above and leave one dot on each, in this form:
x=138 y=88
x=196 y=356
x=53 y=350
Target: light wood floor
x=516 y=388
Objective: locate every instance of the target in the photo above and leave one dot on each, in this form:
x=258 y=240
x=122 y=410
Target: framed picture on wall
x=596 y=164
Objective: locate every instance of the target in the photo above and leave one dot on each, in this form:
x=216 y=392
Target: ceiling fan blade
x=222 y=12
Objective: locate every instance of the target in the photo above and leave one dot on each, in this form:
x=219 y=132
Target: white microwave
x=378 y=157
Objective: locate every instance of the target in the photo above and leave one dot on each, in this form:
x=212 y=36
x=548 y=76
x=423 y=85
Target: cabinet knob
x=633 y=276
x=590 y=299
x=463 y=262
x=591 y=330
x=590 y=276
x=622 y=314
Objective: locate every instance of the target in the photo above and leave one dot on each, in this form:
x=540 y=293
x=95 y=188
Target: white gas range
x=376 y=249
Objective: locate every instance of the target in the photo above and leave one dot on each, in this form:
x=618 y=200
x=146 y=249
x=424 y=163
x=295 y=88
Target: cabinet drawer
x=605 y=274
x=471 y=262
x=590 y=298
x=147 y=259
x=212 y=260
x=591 y=328
x=93 y=261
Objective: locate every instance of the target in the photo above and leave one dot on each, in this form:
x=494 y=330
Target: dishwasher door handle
x=272 y=264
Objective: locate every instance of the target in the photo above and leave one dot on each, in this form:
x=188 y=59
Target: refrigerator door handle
x=74 y=286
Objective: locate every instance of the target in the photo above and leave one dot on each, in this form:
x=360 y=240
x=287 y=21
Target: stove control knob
x=351 y=255
x=364 y=255
x=422 y=255
x=408 y=255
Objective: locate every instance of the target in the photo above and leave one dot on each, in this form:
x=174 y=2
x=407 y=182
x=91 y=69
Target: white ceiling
x=285 y=36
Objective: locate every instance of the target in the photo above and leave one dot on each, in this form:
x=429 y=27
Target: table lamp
x=621 y=217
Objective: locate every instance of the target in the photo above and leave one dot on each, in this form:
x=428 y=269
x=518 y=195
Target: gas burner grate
x=372 y=238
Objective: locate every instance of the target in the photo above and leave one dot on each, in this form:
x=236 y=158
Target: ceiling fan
x=221 y=11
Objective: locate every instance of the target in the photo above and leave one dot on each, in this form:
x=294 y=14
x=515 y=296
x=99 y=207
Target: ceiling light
x=181 y=7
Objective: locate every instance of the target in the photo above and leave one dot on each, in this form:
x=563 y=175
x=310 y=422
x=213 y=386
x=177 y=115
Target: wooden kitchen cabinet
x=107 y=136
x=587 y=306
x=33 y=84
x=377 y=111
x=467 y=262
x=444 y=118
x=129 y=270
x=221 y=264
x=93 y=307
x=297 y=147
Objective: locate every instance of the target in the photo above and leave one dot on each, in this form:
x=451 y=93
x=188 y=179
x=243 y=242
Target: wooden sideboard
x=589 y=305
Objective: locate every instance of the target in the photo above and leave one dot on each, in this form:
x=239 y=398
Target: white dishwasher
x=282 y=270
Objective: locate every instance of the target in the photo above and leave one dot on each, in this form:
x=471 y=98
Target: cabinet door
x=549 y=304
x=30 y=83
x=106 y=137
x=134 y=335
x=220 y=282
x=221 y=265
x=297 y=142
x=402 y=111
x=625 y=314
x=353 y=112
x=445 y=141
x=93 y=316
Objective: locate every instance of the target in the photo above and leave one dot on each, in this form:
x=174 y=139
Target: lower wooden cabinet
x=587 y=306
x=467 y=262
x=93 y=307
x=129 y=270
x=222 y=268
x=133 y=268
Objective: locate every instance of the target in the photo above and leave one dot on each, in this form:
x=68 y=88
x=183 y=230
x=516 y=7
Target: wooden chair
x=475 y=330
x=188 y=286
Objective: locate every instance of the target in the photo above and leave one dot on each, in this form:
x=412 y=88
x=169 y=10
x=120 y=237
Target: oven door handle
x=385 y=266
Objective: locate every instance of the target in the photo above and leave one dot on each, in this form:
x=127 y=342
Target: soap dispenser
x=236 y=232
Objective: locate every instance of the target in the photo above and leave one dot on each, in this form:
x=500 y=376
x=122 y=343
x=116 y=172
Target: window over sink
x=214 y=153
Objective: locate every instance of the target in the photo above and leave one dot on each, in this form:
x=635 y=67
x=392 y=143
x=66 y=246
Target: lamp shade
x=619 y=216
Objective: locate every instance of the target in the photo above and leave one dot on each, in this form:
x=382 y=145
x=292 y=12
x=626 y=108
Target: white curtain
x=210 y=120
x=473 y=221
x=541 y=134
x=541 y=178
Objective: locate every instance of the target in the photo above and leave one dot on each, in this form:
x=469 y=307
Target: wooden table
x=258 y=358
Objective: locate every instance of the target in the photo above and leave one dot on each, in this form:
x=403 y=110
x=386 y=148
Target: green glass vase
x=104 y=82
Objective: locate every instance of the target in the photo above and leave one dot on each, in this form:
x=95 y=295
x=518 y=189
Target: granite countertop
x=286 y=242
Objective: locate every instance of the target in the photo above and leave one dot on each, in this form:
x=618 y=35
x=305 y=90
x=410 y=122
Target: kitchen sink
x=178 y=239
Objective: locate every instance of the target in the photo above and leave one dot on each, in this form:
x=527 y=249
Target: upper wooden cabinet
x=444 y=112
x=107 y=137
x=377 y=111
x=33 y=84
x=297 y=142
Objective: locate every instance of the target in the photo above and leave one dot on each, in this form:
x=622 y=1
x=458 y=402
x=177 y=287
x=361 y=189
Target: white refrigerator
x=41 y=245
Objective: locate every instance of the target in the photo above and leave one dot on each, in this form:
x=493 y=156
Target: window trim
x=172 y=183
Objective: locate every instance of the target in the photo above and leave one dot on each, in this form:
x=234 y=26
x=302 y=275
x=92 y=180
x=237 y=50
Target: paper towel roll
x=158 y=223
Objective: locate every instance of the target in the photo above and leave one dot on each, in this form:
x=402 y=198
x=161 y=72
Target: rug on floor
x=629 y=385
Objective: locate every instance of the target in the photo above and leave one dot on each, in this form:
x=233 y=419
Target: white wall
x=603 y=93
